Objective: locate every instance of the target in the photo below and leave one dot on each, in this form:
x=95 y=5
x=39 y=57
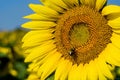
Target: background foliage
x=12 y=66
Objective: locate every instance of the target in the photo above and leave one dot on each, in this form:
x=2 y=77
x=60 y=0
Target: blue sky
x=12 y=11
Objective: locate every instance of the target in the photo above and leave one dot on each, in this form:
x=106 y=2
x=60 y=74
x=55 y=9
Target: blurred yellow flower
x=12 y=40
x=11 y=56
x=75 y=39
x=13 y=72
x=5 y=50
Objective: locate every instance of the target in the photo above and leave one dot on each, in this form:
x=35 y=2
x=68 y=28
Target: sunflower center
x=79 y=34
x=82 y=34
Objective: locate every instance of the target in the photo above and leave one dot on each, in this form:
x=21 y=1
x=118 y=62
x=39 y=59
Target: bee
x=71 y=52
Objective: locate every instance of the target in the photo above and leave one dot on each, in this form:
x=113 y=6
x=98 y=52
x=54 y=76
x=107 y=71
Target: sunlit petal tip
x=110 y=9
x=44 y=10
x=38 y=24
x=31 y=16
x=27 y=59
x=31 y=5
x=23 y=25
x=115 y=23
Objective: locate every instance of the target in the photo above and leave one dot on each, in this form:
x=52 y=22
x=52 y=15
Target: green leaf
x=21 y=69
x=51 y=77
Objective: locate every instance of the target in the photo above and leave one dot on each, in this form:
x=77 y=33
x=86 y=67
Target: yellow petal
x=50 y=65
x=39 y=17
x=114 y=52
x=39 y=25
x=71 y=3
x=104 y=68
x=115 y=40
x=38 y=38
x=115 y=23
x=39 y=61
x=32 y=76
x=80 y=72
x=101 y=76
x=30 y=66
x=47 y=66
x=92 y=71
x=90 y=3
x=40 y=50
x=53 y=6
x=60 y=69
x=35 y=38
x=36 y=42
x=32 y=44
x=84 y=72
x=65 y=73
x=57 y=2
x=76 y=72
x=35 y=69
x=100 y=4
x=117 y=31
x=33 y=33
x=113 y=16
x=110 y=9
x=76 y=2
x=40 y=9
x=72 y=72
x=111 y=67
x=48 y=55
x=28 y=50
x=109 y=58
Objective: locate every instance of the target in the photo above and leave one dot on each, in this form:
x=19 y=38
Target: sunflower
x=74 y=39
